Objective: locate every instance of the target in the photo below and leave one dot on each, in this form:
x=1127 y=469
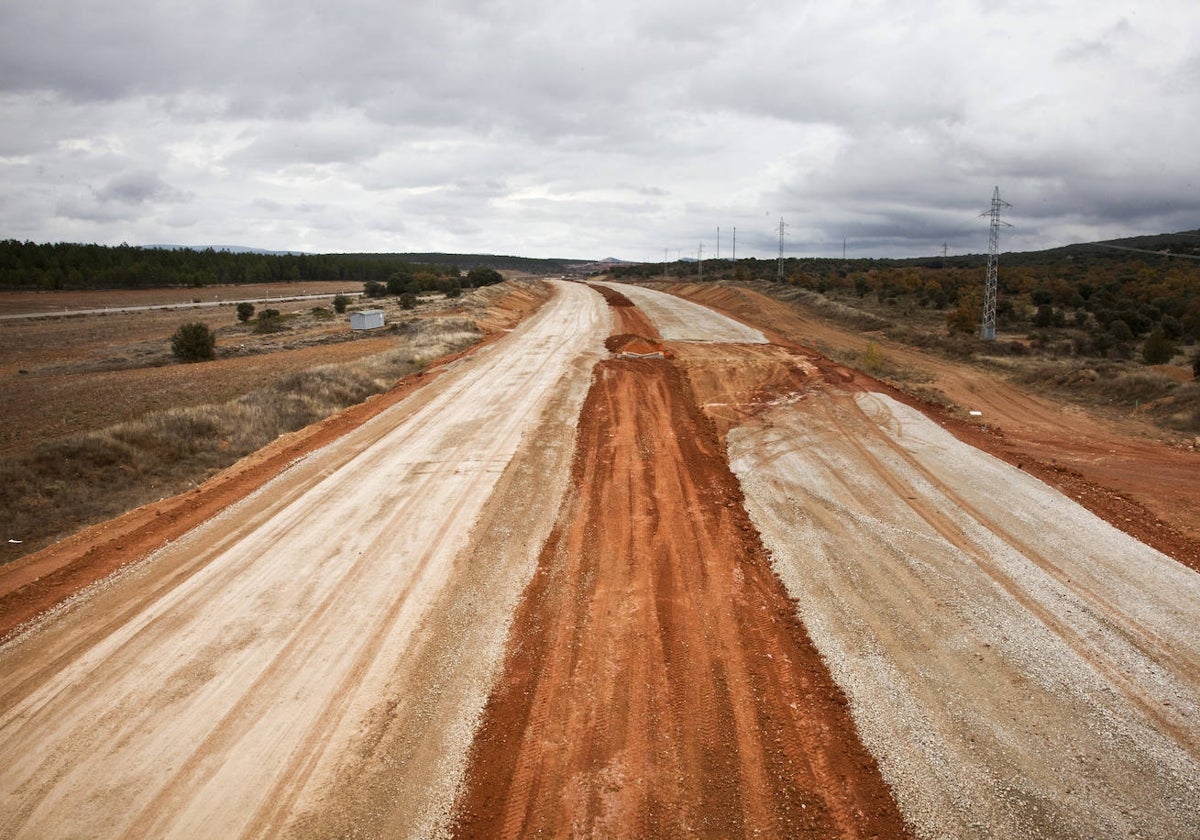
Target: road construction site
x=636 y=569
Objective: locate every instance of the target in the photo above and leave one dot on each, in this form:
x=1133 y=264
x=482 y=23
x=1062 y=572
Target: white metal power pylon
x=987 y=330
x=779 y=266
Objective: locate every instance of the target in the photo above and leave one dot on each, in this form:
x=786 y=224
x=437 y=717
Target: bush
x=408 y=300
x=245 y=311
x=268 y=321
x=480 y=276
x=1158 y=349
x=193 y=342
x=372 y=289
x=340 y=302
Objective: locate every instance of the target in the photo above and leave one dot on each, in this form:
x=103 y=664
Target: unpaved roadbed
x=1019 y=667
x=220 y=688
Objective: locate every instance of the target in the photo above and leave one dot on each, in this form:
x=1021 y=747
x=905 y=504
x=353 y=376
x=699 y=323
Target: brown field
x=65 y=381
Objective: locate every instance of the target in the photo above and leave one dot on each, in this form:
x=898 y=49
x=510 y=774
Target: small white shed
x=366 y=319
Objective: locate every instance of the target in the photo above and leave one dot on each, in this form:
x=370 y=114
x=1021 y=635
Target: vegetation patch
x=60 y=486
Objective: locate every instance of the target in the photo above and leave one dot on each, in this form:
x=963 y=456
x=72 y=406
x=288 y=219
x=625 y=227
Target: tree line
x=29 y=265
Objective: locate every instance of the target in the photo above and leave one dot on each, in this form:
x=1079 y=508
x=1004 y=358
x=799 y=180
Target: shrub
x=408 y=300
x=1158 y=349
x=481 y=276
x=962 y=320
x=340 y=302
x=193 y=342
x=373 y=289
x=268 y=321
x=245 y=311
x=872 y=359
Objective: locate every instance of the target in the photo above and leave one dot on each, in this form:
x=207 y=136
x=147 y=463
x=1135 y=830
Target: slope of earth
x=1119 y=470
x=1019 y=667
x=657 y=682
x=337 y=625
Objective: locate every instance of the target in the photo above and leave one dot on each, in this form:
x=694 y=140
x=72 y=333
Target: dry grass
x=1165 y=400
x=60 y=486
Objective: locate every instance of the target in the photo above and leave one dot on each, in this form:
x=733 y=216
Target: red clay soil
x=657 y=681
x=1144 y=487
x=34 y=584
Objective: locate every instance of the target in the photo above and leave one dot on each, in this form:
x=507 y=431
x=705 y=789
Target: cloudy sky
x=620 y=128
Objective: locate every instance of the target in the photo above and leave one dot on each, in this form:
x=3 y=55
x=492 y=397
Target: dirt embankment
x=657 y=681
x=1139 y=484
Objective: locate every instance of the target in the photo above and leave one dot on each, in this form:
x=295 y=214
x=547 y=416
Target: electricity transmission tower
x=987 y=330
x=779 y=269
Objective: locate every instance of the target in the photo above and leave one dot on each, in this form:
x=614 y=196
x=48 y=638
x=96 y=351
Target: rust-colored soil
x=1117 y=470
x=658 y=682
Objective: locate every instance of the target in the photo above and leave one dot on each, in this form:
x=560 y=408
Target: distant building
x=366 y=319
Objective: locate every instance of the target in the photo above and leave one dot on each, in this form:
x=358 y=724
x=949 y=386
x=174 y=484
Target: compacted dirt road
x=225 y=687
x=702 y=584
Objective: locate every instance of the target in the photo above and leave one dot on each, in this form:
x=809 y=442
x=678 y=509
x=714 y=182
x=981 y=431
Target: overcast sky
x=618 y=128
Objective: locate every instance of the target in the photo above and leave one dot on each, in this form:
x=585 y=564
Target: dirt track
x=221 y=688
x=317 y=661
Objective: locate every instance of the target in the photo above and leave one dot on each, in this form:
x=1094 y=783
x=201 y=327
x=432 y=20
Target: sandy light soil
x=1020 y=667
x=224 y=687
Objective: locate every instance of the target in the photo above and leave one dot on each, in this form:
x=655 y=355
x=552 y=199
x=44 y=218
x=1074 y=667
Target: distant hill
x=532 y=265
x=229 y=249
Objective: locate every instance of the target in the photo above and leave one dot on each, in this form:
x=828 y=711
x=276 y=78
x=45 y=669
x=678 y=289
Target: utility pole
x=735 y=244
x=843 y=249
x=987 y=330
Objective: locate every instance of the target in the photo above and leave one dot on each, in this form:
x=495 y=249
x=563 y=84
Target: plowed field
x=707 y=583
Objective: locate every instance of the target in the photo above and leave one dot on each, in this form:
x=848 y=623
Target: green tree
x=1158 y=349
x=193 y=342
x=373 y=289
x=481 y=276
x=245 y=311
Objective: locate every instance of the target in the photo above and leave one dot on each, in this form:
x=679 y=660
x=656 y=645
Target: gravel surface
x=681 y=320
x=1019 y=667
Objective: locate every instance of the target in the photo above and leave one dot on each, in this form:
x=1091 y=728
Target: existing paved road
x=221 y=688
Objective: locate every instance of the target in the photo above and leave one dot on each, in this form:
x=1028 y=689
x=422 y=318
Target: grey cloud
x=620 y=126
x=138 y=188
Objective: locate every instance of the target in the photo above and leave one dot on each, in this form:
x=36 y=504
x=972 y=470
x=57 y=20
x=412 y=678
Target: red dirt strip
x=657 y=681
